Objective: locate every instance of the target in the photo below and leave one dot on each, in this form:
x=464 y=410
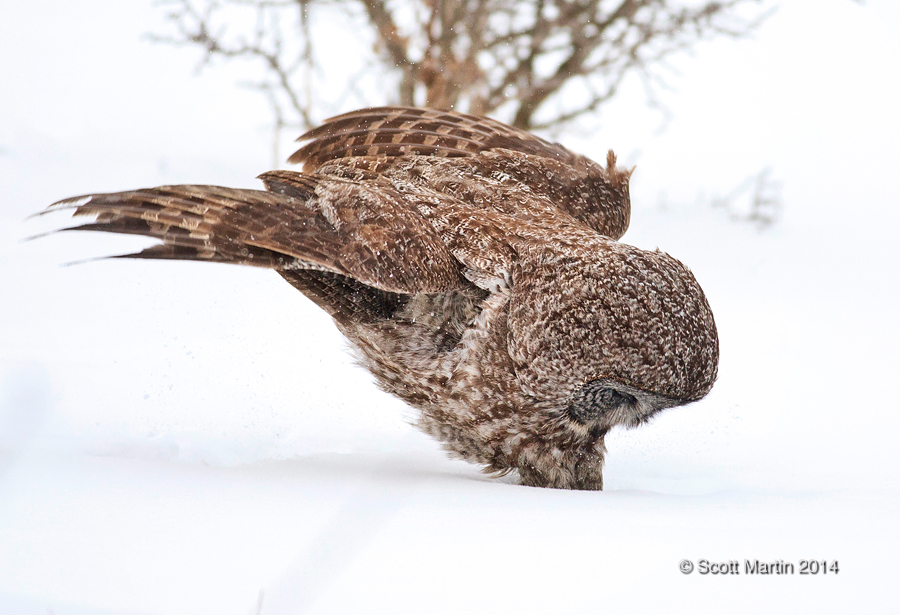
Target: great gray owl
x=476 y=270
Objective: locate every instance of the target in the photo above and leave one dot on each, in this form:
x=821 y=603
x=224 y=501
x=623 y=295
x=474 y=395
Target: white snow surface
x=192 y=438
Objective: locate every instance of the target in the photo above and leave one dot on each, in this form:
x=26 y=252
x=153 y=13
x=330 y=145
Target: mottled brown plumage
x=475 y=268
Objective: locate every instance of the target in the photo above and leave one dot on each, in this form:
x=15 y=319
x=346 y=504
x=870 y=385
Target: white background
x=193 y=438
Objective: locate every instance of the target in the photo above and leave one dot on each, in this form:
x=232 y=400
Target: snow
x=193 y=438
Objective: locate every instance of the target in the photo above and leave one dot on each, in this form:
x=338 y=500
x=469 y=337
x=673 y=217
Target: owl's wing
x=399 y=131
x=358 y=231
x=373 y=141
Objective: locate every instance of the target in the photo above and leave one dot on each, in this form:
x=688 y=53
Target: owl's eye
x=594 y=399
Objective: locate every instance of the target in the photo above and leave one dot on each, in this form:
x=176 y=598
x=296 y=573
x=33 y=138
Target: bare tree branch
x=757 y=201
x=515 y=58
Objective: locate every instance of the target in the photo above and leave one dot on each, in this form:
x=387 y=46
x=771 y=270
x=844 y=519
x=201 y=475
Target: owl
x=476 y=271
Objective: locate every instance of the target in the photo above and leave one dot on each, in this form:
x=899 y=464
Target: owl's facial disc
x=606 y=403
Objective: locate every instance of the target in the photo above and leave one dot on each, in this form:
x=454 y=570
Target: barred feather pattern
x=476 y=270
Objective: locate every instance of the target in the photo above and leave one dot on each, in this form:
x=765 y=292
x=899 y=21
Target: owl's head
x=610 y=332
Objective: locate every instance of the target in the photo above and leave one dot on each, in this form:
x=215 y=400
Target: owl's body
x=475 y=268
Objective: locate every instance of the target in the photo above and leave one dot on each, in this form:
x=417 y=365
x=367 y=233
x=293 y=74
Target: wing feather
x=366 y=233
x=397 y=131
x=386 y=140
